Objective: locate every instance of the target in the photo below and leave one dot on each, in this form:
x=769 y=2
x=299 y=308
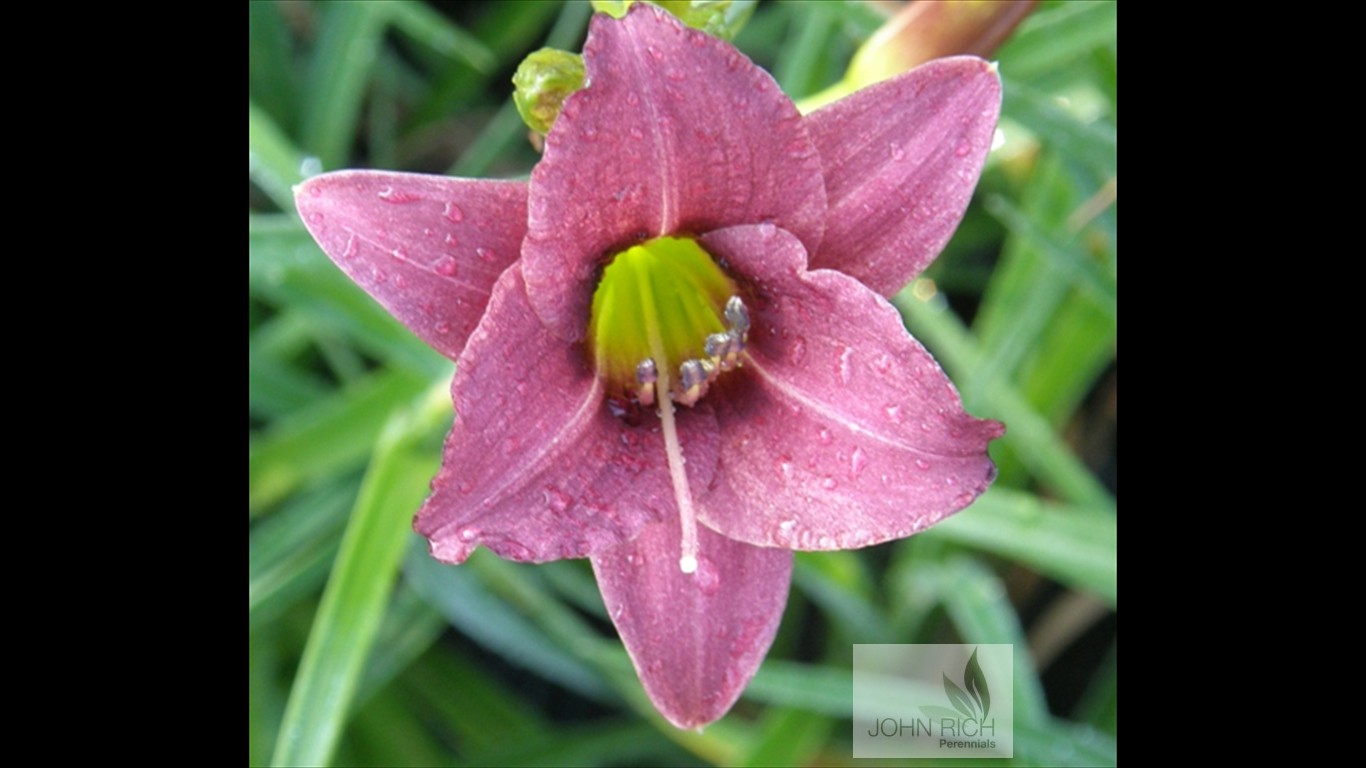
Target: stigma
x=666 y=323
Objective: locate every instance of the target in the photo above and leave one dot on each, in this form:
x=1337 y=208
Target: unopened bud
x=543 y=81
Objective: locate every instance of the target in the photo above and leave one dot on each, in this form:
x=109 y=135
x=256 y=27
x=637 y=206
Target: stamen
x=717 y=346
x=737 y=314
x=646 y=375
x=695 y=378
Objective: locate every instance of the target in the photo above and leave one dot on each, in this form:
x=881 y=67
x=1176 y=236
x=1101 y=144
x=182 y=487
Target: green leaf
x=426 y=26
x=1027 y=432
x=461 y=595
x=356 y=596
x=1075 y=545
x=788 y=737
x=272 y=161
x=331 y=437
x=824 y=690
x=1055 y=38
x=347 y=45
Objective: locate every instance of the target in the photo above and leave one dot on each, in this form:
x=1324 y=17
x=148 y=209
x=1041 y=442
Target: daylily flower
x=688 y=239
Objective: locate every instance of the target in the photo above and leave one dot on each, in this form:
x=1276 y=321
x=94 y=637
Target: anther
x=737 y=315
x=694 y=378
x=717 y=346
x=646 y=376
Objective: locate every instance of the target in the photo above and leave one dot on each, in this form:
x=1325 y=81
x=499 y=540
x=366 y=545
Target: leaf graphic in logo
x=976 y=683
x=932 y=712
x=958 y=698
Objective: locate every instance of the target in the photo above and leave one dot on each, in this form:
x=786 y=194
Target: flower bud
x=543 y=81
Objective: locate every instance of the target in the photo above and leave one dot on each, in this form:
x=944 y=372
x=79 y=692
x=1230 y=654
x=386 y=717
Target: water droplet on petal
x=921 y=463
x=829 y=484
x=858 y=461
x=963 y=148
x=785 y=468
x=846 y=365
x=556 y=500
x=315 y=218
x=827 y=543
x=445 y=266
x=896 y=150
x=632 y=98
x=893 y=413
x=484 y=253
x=469 y=534
x=443 y=327
x=797 y=352
x=824 y=436
x=454 y=213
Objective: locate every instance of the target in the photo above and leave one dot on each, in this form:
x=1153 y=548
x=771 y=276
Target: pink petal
x=901 y=160
x=696 y=639
x=676 y=132
x=428 y=248
x=536 y=467
x=840 y=431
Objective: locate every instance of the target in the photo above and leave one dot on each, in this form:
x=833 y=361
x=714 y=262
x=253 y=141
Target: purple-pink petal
x=428 y=248
x=676 y=132
x=696 y=639
x=840 y=431
x=901 y=160
x=536 y=466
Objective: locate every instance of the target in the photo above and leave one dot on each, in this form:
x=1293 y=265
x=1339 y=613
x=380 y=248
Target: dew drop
x=469 y=534
x=484 y=253
x=846 y=365
x=922 y=464
x=445 y=266
x=391 y=195
x=965 y=499
x=399 y=254
x=556 y=500
x=824 y=436
x=767 y=229
x=379 y=275
x=962 y=149
x=618 y=613
x=785 y=530
x=655 y=53
x=893 y=413
x=827 y=543
x=315 y=218
x=632 y=98
x=883 y=364
x=635 y=133
x=451 y=241
x=443 y=327
x=829 y=484
x=858 y=461
x=400 y=281
x=785 y=468
x=454 y=213
x=797 y=352
x=896 y=150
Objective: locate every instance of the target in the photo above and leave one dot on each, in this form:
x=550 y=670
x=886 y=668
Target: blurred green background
x=364 y=651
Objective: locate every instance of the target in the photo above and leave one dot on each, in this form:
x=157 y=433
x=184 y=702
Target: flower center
x=665 y=312
x=666 y=321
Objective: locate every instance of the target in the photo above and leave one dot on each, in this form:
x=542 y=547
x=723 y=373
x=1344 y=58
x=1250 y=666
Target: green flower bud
x=543 y=81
